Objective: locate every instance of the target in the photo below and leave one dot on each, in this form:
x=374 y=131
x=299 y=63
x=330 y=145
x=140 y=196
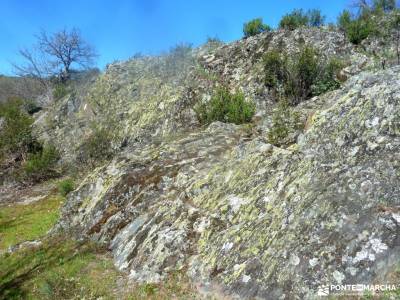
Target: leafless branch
x=56 y=55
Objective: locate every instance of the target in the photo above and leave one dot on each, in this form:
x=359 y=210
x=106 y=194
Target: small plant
x=304 y=71
x=315 y=18
x=358 y=30
x=214 y=41
x=148 y=289
x=301 y=75
x=384 y=5
x=297 y=18
x=97 y=146
x=15 y=131
x=255 y=27
x=59 y=91
x=344 y=20
x=41 y=165
x=273 y=68
x=226 y=107
x=65 y=187
x=285 y=123
x=177 y=59
x=328 y=78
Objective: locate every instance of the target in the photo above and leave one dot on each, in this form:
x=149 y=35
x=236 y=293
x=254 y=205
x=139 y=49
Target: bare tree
x=66 y=49
x=56 y=55
x=34 y=66
x=362 y=6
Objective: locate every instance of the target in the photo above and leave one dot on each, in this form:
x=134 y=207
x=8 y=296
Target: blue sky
x=120 y=28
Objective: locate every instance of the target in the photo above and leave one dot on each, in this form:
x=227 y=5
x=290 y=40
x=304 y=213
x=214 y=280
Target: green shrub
x=254 y=27
x=31 y=107
x=97 y=146
x=384 y=5
x=315 y=18
x=344 y=20
x=285 y=123
x=273 y=68
x=59 y=91
x=225 y=107
x=65 y=187
x=304 y=71
x=301 y=75
x=328 y=78
x=15 y=130
x=297 y=18
x=358 y=30
x=41 y=165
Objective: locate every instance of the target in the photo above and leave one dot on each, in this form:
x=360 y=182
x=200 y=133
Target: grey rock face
x=149 y=98
x=259 y=220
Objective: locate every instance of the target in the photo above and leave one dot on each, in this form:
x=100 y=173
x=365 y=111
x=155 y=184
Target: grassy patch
x=176 y=286
x=65 y=186
x=64 y=269
x=227 y=107
x=19 y=223
x=57 y=270
x=286 y=121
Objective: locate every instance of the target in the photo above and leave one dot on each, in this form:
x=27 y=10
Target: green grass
x=20 y=223
x=65 y=186
x=58 y=269
x=176 y=286
x=61 y=268
x=64 y=269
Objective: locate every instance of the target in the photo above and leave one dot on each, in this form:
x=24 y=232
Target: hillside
x=19 y=87
x=238 y=211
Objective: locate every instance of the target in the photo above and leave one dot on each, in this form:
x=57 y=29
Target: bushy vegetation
x=285 y=123
x=58 y=269
x=59 y=91
x=40 y=165
x=97 y=146
x=359 y=29
x=327 y=78
x=301 y=75
x=65 y=186
x=215 y=40
x=30 y=159
x=384 y=5
x=344 y=20
x=254 y=27
x=227 y=107
x=298 y=18
x=65 y=269
x=15 y=129
x=177 y=60
x=366 y=22
x=315 y=18
x=293 y=20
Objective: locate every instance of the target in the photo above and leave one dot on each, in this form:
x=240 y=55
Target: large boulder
x=237 y=213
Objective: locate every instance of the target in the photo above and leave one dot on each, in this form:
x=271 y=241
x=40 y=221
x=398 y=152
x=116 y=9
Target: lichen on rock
x=225 y=206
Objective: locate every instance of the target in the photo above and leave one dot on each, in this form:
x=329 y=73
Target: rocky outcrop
x=149 y=98
x=232 y=210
